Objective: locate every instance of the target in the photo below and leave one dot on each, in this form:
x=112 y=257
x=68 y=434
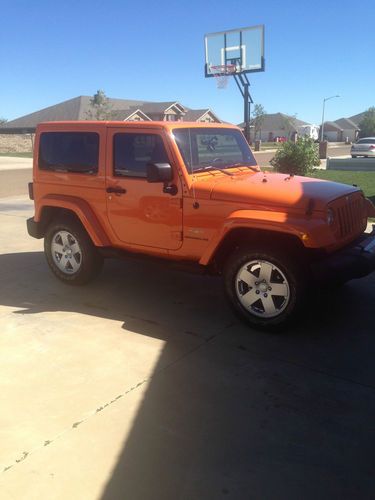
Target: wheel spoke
x=64 y=238
x=249 y=298
x=57 y=247
x=280 y=289
x=75 y=248
x=265 y=271
x=245 y=276
x=268 y=305
x=74 y=264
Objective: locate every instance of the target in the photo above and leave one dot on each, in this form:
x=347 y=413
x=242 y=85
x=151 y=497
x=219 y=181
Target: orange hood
x=272 y=190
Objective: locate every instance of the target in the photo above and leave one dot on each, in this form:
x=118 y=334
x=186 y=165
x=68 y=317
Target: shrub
x=298 y=158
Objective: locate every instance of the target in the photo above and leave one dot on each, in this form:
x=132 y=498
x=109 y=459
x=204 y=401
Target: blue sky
x=153 y=50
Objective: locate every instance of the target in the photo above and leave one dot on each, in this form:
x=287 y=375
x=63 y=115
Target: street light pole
x=324 y=103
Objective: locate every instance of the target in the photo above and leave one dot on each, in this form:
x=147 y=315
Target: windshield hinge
x=176 y=235
x=176 y=203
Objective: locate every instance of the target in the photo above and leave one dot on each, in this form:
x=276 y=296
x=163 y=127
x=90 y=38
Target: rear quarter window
x=366 y=141
x=69 y=152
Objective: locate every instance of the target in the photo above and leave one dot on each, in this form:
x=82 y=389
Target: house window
x=69 y=152
x=132 y=153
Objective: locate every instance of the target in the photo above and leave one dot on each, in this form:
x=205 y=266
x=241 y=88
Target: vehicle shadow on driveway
x=128 y=291
x=155 y=295
x=243 y=414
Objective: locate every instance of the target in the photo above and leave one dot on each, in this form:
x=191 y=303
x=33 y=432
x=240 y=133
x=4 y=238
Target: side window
x=69 y=151
x=132 y=152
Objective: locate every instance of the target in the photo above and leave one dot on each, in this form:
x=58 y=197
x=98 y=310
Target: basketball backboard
x=240 y=50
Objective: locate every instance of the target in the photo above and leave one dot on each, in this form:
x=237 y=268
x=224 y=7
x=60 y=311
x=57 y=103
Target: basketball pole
x=247 y=113
x=243 y=84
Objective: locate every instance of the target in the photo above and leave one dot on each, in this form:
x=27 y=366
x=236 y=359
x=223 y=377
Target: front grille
x=350 y=217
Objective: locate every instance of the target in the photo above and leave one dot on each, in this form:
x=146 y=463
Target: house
x=275 y=125
x=349 y=129
x=79 y=108
x=333 y=132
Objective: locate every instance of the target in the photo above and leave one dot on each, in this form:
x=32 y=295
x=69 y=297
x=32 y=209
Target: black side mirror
x=159 y=172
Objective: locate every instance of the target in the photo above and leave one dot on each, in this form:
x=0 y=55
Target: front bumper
x=370 y=153
x=354 y=261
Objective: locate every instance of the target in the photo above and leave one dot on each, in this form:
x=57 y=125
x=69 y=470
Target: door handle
x=116 y=190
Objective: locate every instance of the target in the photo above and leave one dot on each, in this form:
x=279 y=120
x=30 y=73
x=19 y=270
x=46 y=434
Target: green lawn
x=18 y=155
x=268 y=145
x=364 y=180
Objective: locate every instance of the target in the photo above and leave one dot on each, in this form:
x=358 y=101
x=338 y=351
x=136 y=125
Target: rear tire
x=70 y=253
x=265 y=288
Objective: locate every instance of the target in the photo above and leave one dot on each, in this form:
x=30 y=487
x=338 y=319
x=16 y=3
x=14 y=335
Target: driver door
x=140 y=213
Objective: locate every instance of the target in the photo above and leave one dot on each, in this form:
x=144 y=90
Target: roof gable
x=193 y=115
x=332 y=127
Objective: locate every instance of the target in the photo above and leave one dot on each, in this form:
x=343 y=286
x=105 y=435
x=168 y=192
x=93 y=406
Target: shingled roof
x=78 y=109
x=67 y=110
x=357 y=118
x=277 y=121
x=346 y=123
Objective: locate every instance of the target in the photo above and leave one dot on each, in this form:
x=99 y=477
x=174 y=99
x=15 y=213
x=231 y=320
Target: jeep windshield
x=213 y=149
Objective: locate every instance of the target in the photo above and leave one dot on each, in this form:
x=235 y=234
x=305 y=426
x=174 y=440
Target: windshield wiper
x=212 y=167
x=253 y=168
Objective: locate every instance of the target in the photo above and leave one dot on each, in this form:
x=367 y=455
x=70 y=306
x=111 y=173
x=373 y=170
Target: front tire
x=70 y=253
x=265 y=288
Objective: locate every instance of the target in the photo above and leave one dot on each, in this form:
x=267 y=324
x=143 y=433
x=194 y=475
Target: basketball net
x=222 y=74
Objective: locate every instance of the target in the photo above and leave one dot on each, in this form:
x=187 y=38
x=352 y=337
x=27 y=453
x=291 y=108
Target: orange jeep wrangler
x=193 y=193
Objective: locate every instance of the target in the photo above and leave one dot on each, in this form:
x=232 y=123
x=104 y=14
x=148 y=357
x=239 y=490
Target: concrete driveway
x=143 y=385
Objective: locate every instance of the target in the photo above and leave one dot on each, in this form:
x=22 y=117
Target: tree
x=297 y=158
x=288 y=124
x=2 y=121
x=367 y=124
x=258 y=119
x=100 y=107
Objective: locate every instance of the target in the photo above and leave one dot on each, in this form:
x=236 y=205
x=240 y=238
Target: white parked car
x=363 y=147
x=311 y=131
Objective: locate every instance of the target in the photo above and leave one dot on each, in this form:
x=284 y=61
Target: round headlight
x=330 y=217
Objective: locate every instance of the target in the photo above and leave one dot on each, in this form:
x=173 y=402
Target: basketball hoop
x=222 y=74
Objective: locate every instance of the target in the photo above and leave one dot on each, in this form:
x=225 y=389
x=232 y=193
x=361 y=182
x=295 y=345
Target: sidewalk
x=12 y=163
